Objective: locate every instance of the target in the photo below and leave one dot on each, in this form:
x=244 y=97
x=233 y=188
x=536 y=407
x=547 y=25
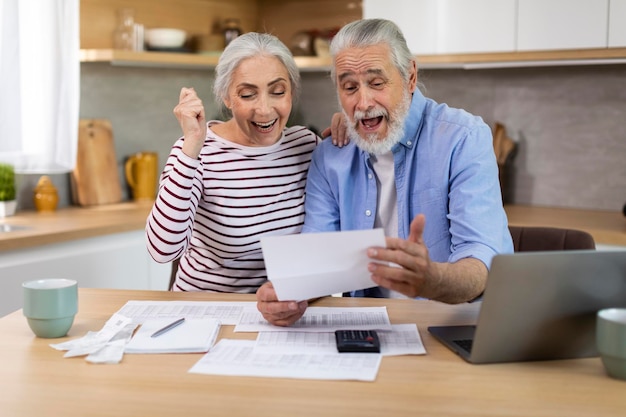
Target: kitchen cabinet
x=562 y=24
x=118 y=260
x=450 y=26
x=617 y=23
x=416 y=18
x=483 y=33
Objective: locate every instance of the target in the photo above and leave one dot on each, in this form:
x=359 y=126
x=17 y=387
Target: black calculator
x=357 y=341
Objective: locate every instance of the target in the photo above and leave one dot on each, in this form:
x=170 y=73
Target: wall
x=568 y=121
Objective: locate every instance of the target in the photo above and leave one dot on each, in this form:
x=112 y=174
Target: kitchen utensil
x=95 y=179
x=165 y=37
x=142 y=174
x=503 y=145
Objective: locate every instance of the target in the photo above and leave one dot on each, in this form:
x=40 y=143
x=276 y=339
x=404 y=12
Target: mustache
x=370 y=114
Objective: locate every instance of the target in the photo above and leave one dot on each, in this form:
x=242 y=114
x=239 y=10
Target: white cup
x=611 y=340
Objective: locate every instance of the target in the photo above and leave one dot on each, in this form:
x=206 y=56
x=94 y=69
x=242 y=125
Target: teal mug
x=50 y=306
x=611 y=340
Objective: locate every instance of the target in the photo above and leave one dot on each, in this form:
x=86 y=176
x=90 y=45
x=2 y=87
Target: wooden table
x=37 y=381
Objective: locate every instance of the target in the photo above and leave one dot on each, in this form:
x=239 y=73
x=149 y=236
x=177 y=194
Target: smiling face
x=374 y=96
x=260 y=99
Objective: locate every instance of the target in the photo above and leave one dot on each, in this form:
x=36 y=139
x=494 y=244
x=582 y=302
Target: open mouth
x=264 y=127
x=371 y=123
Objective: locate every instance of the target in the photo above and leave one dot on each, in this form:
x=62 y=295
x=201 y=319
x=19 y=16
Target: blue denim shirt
x=445 y=167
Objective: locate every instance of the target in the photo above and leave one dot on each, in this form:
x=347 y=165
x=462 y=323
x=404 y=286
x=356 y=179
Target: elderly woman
x=227 y=184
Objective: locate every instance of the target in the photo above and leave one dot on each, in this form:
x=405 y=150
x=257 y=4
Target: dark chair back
x=533 y=239
x=175 y=263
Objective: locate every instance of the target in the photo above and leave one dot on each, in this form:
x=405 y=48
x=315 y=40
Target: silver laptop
x=540 y=305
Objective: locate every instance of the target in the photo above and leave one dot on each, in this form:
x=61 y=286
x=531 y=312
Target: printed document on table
x=402 y=339
x=226 y=312
x=321 y=319
x=239 y=358
x=311 y=265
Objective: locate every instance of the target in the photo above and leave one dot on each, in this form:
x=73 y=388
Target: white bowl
x=165 y=38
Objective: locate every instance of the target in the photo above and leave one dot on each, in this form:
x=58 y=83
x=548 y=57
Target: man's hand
x=411 y=264
x=278 y=313
x=337 y=130
x=190 y=115
x=413 y=274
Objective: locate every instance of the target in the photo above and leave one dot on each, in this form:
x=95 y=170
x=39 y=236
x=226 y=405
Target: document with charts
x=227 y=312
x=239 y=358
x=321 y=319
x=402 y=339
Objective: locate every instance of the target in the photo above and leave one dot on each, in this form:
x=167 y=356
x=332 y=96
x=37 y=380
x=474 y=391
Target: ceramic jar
x=46 y=196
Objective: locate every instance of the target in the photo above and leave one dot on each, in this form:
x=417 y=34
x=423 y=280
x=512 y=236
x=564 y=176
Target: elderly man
x=424 y=172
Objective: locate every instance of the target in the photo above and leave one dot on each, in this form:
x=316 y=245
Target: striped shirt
x=212 y=211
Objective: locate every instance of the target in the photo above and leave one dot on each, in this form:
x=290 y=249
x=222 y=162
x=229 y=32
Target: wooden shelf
x=179 y=60
x=312 y=63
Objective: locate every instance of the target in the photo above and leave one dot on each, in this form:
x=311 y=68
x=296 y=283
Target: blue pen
x=168 y=327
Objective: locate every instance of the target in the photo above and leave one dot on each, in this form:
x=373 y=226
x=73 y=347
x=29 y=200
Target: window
x=40 y=84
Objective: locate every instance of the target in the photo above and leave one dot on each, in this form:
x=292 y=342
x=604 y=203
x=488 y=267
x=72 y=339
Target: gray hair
x=250 y=45
x=369 y=32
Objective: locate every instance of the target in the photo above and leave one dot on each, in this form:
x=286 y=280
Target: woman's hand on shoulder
x=190 y=115
x=337 y=130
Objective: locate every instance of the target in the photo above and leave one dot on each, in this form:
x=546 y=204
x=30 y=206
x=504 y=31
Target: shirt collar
x=414 y=120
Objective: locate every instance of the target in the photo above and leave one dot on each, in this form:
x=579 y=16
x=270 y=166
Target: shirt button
x=409 y=143
x=369 y=176
x=368 y=213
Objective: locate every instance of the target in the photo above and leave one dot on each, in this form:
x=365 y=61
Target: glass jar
x=124 y=34
x=231 y=30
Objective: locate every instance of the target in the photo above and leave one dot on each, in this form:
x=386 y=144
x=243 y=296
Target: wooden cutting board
x=95 y=179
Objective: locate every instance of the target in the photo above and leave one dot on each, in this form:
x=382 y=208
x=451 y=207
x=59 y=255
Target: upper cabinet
x=416 y=18
x=450 y=26
x=473 y=33
x=442 y=33
x=562 y=24
x=617 y=24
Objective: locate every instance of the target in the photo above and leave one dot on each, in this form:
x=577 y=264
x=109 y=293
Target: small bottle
x=46 y=196
x=124 y=34
x=231 y=30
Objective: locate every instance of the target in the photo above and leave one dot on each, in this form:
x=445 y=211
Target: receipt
x=116 y=331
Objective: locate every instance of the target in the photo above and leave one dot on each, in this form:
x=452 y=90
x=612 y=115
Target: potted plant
x=7 y=190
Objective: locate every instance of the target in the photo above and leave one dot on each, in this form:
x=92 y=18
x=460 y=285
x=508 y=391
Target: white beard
x=370 y=143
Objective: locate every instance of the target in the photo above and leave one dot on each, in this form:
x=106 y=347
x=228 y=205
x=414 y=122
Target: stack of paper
x=194 y=335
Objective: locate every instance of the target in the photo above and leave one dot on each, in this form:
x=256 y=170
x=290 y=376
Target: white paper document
x=104 y=346
x=94 y=341
x=239 y=358
x=193 y=335
x=226 y=312
x=321 y=319
x=402 y=339
x=310 y=265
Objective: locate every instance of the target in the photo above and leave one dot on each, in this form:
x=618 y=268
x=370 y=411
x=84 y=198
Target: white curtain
x=39 y=84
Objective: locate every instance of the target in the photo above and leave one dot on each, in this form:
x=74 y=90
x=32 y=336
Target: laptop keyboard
x=465 y=344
